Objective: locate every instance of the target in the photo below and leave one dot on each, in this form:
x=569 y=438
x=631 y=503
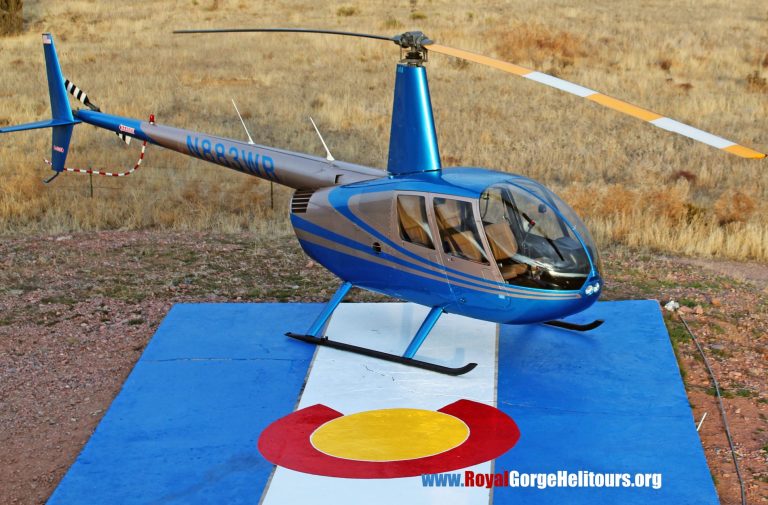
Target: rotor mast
x=412 y=141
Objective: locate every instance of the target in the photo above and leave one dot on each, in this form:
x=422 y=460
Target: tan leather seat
x=467 y=246
x=504 y=246
x=416 y=231
x=448 y=214
x=501 y=239
x=513 y=270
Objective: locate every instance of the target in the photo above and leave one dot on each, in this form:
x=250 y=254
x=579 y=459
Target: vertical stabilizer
x=60 y=109
x=58 y=93
x=412 y=141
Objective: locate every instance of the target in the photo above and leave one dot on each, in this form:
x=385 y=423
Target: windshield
x=530 y=241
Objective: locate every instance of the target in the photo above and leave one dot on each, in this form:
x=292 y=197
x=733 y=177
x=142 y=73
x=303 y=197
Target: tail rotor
x=82 y=97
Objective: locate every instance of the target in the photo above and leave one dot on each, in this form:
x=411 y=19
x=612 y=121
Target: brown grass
x=734 y=206
x=757 y=83
x=11 y=16
x=625 y=177
x=539 y=46
x=347 y=11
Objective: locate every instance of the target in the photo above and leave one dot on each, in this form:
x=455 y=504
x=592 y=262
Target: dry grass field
x=704 y=63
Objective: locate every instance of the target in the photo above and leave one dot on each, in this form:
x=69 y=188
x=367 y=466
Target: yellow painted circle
x=390 y=435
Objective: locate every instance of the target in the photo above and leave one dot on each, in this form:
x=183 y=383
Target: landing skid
x=383 y=355
x=575 y=327
x=314 y=336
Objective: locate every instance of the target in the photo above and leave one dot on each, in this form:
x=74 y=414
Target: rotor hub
x=412 y=47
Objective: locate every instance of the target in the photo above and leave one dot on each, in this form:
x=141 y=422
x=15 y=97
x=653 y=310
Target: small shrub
x=11 y=17
x=683 y=174
x=538 y=44
x=392 y=23
x=346 y=11
x=734 y=207
x=451 y=161
x=418 y=16
x=617 y=200
x=669 y=201
x=693 y=213
x=459 y=64
x=756 y=82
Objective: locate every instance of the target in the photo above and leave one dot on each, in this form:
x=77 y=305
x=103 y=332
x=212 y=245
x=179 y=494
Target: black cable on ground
x=722 y=409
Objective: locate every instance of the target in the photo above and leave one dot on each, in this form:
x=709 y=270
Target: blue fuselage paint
x=343 y=245
x=396 y=282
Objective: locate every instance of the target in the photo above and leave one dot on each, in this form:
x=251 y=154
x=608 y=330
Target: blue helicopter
x=480 y=243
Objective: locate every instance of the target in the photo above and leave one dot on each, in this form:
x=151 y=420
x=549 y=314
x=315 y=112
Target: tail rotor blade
x=80 y=95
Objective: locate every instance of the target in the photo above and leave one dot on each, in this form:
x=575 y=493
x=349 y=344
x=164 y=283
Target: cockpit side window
x=458 y=231
x=412 y=219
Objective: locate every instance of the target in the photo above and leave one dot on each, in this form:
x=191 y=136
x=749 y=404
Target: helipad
x=548 y=416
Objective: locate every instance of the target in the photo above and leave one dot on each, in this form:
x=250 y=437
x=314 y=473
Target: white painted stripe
x=560 y=84
x=691 y=132
x=352 y=383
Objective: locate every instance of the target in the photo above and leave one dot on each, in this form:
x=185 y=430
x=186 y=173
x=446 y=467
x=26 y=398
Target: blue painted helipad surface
x=184 y=428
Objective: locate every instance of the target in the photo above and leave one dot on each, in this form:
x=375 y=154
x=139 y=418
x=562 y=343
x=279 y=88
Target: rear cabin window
x=412 y=219
x=458 y=231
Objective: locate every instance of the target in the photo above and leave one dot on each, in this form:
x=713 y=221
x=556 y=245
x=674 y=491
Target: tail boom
x=295 y=170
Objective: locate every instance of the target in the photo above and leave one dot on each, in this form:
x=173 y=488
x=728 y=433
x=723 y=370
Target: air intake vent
x=301 y=200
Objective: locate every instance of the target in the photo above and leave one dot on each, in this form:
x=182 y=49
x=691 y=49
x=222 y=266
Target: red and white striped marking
x=109 y=174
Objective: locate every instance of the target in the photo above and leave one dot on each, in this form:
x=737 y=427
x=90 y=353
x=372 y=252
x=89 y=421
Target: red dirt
x=76 y=312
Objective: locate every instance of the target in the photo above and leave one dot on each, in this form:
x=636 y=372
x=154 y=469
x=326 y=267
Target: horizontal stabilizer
x=38 y=124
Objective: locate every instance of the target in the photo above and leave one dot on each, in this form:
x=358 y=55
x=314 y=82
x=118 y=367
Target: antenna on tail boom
x=328 y=155
x=250 y=140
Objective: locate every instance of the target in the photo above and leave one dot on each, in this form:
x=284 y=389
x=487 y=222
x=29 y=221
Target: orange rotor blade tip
x=744 y=152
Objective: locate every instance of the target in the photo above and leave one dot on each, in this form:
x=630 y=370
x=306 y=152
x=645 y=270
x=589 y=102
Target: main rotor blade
x=287 y=30
x=604 y=100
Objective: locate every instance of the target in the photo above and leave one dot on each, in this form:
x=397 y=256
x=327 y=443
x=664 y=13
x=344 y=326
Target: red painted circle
x=286 y=443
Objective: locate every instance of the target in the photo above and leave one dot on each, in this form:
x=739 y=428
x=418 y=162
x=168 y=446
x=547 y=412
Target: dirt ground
x=77 y=310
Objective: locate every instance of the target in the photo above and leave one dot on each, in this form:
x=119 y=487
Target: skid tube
x=575 y=327
x=314 y=336
x=365 y=351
